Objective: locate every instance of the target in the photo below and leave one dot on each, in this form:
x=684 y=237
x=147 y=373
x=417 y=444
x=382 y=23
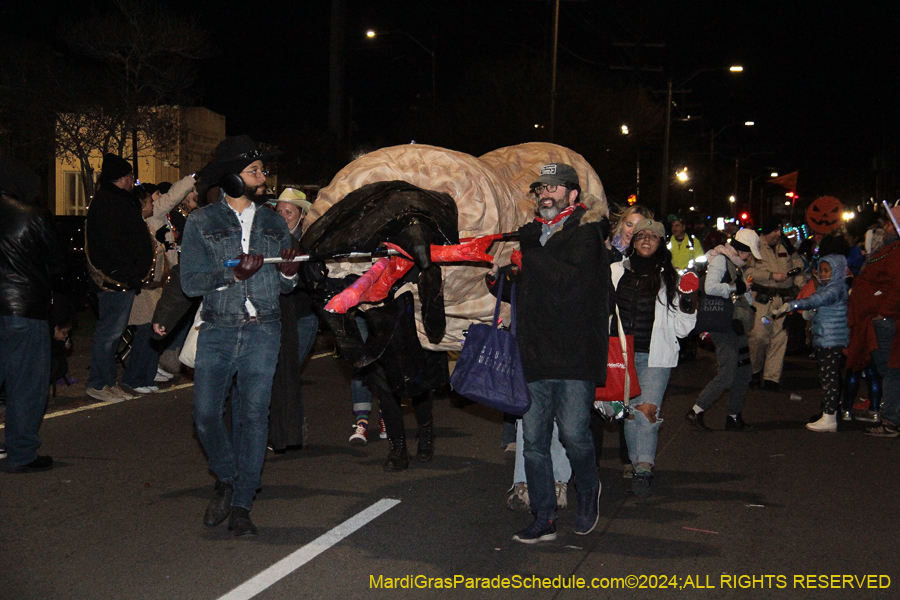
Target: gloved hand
x=530 y=234
x=740 y=287
x=250 y=264
x=288 y=269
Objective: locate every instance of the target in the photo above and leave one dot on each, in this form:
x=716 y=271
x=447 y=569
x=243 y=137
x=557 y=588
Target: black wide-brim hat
x=232 y=156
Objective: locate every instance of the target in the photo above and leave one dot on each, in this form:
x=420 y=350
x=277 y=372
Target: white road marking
x=303 y=555
x=62 y=413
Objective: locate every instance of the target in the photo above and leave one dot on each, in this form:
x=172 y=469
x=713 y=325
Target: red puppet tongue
x=689 y=283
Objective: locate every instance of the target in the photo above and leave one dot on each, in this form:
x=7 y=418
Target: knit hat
x=114 y=167
x=769 y=225
x=654 y=226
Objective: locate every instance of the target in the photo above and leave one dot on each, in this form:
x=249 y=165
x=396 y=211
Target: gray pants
x=733 y=356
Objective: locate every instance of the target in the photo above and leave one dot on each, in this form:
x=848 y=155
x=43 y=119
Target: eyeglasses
x=537 y=190
x=258 y=173
x=646 y=236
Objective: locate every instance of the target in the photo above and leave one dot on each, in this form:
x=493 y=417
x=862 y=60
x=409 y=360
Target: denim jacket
x=212 y=235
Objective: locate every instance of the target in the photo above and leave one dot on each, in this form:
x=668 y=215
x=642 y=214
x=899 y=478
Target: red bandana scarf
x=562 y=215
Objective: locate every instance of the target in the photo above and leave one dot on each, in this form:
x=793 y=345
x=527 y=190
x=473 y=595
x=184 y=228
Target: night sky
x=820 y=79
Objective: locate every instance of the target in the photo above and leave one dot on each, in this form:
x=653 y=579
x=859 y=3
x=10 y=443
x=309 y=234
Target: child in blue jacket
x=830 y=333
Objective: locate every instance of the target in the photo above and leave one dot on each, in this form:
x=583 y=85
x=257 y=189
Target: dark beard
x=255 y=193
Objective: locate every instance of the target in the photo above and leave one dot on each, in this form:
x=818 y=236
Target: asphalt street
x=779 y=513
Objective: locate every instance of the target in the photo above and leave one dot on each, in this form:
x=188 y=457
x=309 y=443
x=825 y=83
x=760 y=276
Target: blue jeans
x=25 y=367
x=251 y=352
x=360 y=396
x=641 y=435
x=307 y=328
x=115 y=307
x=890 y=385
x=562 y=470
x=142 y=360
x=569 y=402
x=733 y=357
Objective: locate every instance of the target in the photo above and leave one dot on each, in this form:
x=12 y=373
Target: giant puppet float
x=437 y=218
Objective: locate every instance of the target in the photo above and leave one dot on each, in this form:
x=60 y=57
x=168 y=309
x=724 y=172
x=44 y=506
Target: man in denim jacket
x=241 y=330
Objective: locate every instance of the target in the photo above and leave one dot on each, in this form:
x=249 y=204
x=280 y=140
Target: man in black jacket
x=27 y=249
x=562 y=332
x=120 y=255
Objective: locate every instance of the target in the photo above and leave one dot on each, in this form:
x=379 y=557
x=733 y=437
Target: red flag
x=788 y=182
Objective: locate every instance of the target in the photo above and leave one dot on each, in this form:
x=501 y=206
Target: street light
x=371 y=34
x=665 y=181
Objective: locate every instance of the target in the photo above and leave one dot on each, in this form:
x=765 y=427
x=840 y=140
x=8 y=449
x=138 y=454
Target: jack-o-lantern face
x=824 y=214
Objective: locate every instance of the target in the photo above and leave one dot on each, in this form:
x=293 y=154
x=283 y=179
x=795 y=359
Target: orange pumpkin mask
x=824 y=214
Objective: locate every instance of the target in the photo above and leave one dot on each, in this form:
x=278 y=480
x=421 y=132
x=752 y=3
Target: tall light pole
x=371 y=33
x=712 y=140
x=664 y=193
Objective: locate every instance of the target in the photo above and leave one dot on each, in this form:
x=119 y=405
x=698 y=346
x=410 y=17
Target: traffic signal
x=744 y=216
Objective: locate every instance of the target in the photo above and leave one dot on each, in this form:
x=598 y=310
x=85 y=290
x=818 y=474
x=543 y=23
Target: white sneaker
x=828 y=423
x=118 y=391
x=360 y=435
x=562 y=496
x=162 y=375
x=147 y=389
x=104 y=395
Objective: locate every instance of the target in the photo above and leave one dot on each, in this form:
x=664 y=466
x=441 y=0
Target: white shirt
x=246 y=220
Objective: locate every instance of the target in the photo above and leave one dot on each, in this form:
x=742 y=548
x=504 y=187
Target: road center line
x=303 y=555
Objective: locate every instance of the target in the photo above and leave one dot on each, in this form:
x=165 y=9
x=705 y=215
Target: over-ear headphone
x=232 y=184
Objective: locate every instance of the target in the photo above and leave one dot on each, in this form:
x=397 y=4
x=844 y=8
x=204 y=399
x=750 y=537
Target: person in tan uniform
x=771 y=287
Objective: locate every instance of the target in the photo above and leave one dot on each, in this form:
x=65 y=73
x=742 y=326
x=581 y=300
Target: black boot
x=398 y=457
x=696 y=419
x=240 y=522
x=220 y=506
x=426 y=443
x=737 y=423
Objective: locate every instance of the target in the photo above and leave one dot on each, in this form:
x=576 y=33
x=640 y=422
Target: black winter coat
x=118 y=242
x=562 y=294
x=27 y=252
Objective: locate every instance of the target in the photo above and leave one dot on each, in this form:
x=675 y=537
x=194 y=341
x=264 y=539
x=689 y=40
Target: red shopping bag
x=621 y=374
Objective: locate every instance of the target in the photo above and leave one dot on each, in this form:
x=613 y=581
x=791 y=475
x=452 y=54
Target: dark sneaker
x=696 y=419
x=641 y=484
x=542 y=530
x=220 y=506
x=587 y=510
x=240 y=523
x=41 y=463
x=737 y=423
x=885 y=430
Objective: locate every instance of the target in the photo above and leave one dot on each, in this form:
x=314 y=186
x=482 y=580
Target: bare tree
x=144 y=61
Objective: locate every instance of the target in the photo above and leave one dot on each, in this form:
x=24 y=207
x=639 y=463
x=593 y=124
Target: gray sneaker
x=518 y=497
x=106 y=394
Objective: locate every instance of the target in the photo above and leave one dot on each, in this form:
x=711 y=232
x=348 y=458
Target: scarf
x=562 y=214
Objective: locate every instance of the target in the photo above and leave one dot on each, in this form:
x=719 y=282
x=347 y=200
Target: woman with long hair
x=625 y=220
x=646 y=296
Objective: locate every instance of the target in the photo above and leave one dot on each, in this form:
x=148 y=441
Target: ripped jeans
x=641 y=435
